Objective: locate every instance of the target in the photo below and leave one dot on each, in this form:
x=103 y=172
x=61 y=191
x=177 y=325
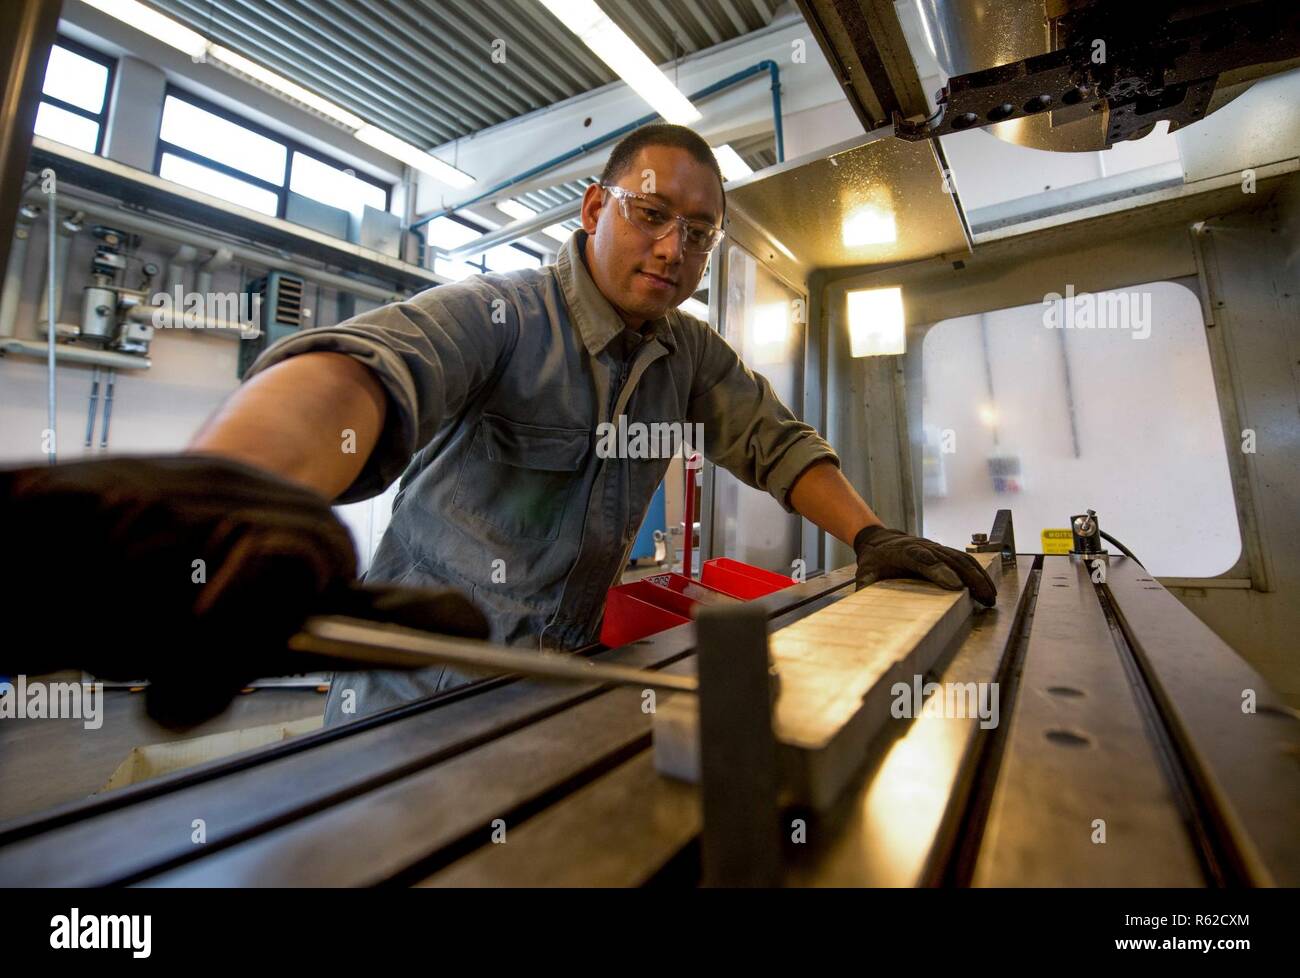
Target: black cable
x=1121 y=548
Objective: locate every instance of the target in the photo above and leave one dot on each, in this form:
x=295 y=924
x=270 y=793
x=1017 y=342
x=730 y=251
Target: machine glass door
x=1100 y=401
x=763 y=321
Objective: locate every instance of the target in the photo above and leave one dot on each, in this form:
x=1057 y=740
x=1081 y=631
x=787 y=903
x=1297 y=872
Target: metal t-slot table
x=1131 y=747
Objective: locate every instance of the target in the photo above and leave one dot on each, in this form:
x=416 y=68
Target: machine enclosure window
x=1099 y=401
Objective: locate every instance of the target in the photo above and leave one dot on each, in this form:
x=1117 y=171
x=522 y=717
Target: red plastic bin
x=628 y=617
x=741 y=579
x=651 y=605
x=662 y=601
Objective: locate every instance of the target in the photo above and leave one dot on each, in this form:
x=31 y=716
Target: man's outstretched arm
x=313 y=419
x=823 y=495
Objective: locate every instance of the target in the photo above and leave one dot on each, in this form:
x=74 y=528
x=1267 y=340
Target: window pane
x=53 y=122
x=219 y=139
x=76 y=80
x=1116 y=412
x=332 y=186
x=218 y=184
x=507 y=258
x=443 y=232
x=454 y=270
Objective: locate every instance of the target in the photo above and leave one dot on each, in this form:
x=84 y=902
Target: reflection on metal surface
x=882 y=201
x=771 y=332
x=1038 y=132
x=912 y=780
x=925 y=29
x=971 y=35
x=780 y=246
x=869 y=224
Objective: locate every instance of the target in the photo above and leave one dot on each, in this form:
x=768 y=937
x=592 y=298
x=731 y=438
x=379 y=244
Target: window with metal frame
x=1099 y=400
x=212 y=150
x=74 y=97
x=452 y=231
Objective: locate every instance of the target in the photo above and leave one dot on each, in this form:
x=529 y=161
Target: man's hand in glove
x=884 y=553
x=188 y=571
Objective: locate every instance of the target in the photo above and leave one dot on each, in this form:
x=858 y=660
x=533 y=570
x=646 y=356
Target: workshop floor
x=44 y=763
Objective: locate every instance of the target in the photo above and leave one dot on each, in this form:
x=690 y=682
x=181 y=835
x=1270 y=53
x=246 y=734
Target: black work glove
x=189 y=571
x=885 y=553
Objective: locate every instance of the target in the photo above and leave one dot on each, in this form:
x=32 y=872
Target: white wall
x=155 y=410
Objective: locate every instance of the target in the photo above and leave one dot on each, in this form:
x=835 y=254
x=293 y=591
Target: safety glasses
x=650 y=217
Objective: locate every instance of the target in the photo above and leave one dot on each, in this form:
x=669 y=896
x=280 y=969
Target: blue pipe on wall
x=769 y=66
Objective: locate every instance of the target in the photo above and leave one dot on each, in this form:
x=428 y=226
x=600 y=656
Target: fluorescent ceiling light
x=399 y=149
x=733 y=167
x=876 y=323
x=283 y=86
x=870 y=224
x=515 y=208
x=519 y=211
x=156 y=25
x=608 y=42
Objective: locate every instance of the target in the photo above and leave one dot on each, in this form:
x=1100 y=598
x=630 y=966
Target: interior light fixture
x=869 y=224
x=282 y=85
x=515 y=208
x=608 y=42
x=729 y=161
x=399 y=149
x=876 y=323
x=158 y=26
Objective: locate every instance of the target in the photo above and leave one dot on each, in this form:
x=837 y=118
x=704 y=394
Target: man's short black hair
x=624 y=153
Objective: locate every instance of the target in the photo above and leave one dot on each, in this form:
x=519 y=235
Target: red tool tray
x=661 y=601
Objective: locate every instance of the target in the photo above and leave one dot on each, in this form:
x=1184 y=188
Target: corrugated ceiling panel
x=424 y=69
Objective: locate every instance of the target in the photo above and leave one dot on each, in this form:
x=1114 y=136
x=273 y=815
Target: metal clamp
x=1001 y=539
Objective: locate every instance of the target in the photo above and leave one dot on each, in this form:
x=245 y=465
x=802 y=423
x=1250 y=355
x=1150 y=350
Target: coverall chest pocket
x=519 y=477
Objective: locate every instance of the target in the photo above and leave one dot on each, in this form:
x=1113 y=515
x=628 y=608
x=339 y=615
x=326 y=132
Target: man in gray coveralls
x=485 y=395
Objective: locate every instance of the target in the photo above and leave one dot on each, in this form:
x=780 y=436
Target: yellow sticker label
x=1058 y=541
